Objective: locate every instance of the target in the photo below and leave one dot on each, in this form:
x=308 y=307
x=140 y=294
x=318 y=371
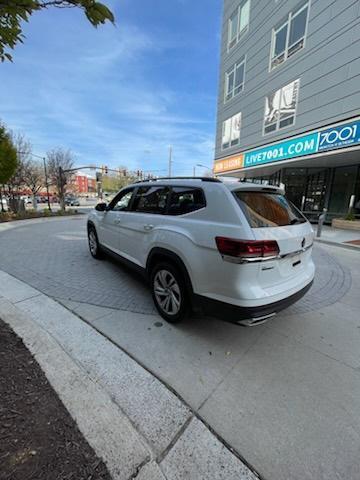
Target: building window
x=238 y=23
x=289 y=37
x=234 y=80
x=231 y=131
x=280 y=107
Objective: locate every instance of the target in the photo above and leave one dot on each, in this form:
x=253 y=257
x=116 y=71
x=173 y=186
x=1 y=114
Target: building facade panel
x=321 y=66
x=323 y=55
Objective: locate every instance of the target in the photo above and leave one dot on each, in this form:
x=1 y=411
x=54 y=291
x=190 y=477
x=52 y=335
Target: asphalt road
x=285 y=395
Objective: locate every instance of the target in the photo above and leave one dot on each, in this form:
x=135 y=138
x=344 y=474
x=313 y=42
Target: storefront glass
x=315 y=190
x=295 y=181
x=343 y=186
x=306 y=188
x=357 y=195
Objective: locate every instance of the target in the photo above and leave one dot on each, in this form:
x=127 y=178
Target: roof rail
x=203 y=179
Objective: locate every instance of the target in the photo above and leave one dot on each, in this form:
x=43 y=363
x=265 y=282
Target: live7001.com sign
x=340 y=136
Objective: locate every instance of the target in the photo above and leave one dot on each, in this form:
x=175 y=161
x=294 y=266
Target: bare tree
x=33 y=176
x=23 y=148
x=58 y=162
x=16 y=183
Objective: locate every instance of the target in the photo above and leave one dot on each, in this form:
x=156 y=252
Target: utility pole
x=47 y=184
x=194 y=172
x=61 y=189
x=170 y=160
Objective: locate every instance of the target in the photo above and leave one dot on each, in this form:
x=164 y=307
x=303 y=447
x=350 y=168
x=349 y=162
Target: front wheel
x=94 y=246
x=169 y=292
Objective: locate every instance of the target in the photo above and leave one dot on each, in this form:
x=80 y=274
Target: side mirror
x=101 y=207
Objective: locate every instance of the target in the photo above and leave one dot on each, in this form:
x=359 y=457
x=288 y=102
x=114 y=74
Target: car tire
x=169 y=292
x=94 y=246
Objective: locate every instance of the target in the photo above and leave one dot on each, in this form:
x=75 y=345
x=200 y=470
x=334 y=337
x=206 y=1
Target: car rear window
x=263 y=209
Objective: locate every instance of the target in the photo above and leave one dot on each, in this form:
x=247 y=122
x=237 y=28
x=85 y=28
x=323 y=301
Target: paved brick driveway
x=53 y=257
x=285 y=396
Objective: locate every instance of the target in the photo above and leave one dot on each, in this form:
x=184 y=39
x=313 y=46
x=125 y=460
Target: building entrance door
x=342 y=188
x=315 y=191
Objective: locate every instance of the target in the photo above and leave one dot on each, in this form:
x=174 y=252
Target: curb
x=99 y=419
x=337 y=244
x=28 y=221
x=137 y=425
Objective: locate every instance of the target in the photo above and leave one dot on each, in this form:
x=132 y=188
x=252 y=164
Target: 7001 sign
x=339 y=137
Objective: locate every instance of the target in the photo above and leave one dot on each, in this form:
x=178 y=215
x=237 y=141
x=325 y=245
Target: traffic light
x=106 y=170
x=98 y=176
x=124 y=172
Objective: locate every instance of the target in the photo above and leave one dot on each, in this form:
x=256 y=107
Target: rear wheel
x=94 y=246
x=169 y=292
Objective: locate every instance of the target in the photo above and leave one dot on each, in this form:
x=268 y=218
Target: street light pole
x=61 y=188
x=46 y=177
x=47 y=184
x=170 y=160
x=204 y=166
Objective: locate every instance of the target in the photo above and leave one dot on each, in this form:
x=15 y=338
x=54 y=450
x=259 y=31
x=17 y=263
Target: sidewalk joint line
x=139 y=468
x=176 y=437
x=25 y=299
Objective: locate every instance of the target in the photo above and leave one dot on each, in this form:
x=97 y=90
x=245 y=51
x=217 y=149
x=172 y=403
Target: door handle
x=148 y=227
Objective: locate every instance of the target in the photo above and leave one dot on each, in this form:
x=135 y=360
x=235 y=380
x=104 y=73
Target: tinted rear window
x=268 y=209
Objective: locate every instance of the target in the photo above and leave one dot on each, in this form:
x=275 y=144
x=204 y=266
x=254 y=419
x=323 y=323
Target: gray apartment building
x=289 y=99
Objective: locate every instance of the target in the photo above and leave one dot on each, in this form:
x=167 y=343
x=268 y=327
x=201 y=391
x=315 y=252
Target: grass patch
x=11 y=216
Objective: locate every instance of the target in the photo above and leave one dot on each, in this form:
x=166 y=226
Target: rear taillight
x=247 y=248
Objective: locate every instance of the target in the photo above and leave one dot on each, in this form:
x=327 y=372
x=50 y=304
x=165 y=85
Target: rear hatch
x=272 y=217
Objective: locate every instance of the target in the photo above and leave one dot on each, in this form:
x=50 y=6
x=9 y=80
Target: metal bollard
x=321 y=223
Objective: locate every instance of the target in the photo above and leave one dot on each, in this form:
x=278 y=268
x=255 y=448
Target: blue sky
x=119 y=96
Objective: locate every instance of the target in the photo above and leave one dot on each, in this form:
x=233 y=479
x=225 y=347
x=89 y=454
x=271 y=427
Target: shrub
x=5 y=216
x=350 y=216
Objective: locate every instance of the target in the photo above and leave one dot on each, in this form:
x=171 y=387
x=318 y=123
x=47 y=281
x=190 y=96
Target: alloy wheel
x=167 y=292
x=92 y=242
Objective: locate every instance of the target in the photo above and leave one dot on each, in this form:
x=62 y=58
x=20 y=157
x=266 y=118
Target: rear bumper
x=236 y=314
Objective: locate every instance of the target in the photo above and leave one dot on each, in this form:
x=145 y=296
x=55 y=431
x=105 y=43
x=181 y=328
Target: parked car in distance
x=72 y=201
x=235 y=250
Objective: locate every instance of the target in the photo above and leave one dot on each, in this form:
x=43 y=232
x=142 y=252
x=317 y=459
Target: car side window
x=151 y=199
x=121 y=202
x=185 y=200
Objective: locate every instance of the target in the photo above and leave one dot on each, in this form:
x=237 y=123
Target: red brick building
x=81 y=183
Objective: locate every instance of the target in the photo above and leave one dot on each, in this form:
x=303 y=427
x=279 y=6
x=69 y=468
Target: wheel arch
x=158 y=254
x=91 y=224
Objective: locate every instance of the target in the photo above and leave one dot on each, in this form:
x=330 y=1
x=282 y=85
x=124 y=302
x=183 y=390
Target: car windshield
x=264 y=209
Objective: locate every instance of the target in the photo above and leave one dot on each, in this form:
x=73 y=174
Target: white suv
x=236 y=250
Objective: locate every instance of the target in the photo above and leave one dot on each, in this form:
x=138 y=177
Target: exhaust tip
x=253 y=322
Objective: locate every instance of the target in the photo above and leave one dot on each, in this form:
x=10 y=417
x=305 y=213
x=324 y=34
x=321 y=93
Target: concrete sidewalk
x=338 y=236
x=133 y=421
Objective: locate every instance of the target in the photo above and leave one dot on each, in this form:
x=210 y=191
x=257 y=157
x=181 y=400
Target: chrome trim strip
x=292 y=254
